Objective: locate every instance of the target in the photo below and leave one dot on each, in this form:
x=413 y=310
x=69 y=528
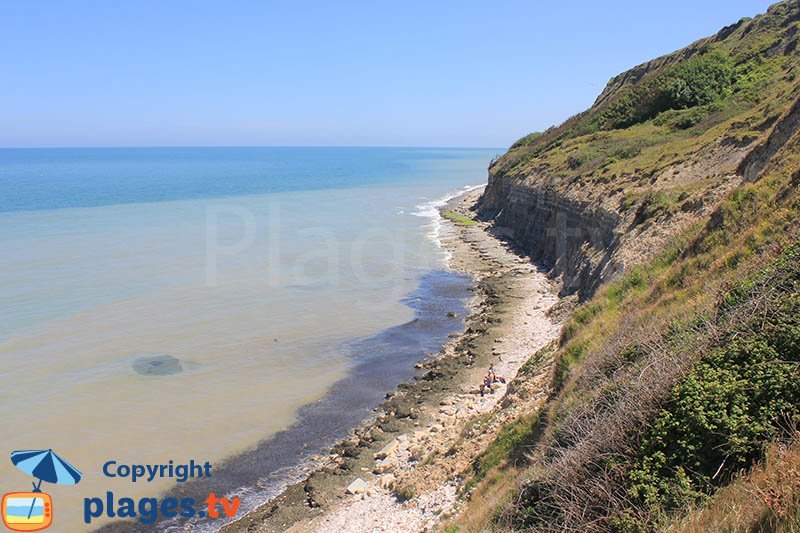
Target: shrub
x=753 y=77
x=527 y=140
x=406 y=493
x=700 y=80
x=683 y=119
x=718 y=419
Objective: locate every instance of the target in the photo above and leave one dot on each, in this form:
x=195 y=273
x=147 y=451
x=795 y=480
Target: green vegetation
x=698 y=81
x=676 y=386
x=724 y=90
x=683 y=119
x=733 y=358
x=765 y=498
x=458 y=218
x=406 y=493
x=745 y=392
x=527 y=140
x=532 y=363
x=507 y=443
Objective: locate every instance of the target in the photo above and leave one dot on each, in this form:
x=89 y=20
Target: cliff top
x=675 y=126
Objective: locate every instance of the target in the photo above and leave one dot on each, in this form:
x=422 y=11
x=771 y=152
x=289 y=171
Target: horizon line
x=87 y=147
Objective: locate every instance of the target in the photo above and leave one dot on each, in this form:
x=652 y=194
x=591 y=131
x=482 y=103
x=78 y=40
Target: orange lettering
x=230 y=507
x=211 y=501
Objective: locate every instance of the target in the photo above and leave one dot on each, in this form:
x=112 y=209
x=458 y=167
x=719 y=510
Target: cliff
x=661 y=146
x=671 y=208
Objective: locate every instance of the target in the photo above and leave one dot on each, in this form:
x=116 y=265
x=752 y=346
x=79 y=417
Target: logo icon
x=33 y=511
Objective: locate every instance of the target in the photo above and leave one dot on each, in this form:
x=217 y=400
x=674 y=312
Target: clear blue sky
x=419 y=73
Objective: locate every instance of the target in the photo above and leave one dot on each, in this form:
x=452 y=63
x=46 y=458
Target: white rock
x=382 y=467
x=388 y=450
x=359 y=486
x=387 y=482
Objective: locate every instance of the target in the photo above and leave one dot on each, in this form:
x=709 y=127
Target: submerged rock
x=157 y=365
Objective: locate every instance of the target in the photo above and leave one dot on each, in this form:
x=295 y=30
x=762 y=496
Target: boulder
x=359 y=486
x=388 y=450
x=387 y=482
x=382 y=467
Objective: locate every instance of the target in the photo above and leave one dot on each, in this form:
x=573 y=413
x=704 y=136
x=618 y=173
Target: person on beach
x=490 y=379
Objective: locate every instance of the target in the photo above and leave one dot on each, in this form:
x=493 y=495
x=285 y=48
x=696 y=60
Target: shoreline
x=424 y=436
x=380 y=361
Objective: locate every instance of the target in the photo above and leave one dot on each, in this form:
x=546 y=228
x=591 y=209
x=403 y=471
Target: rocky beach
x=405 y=469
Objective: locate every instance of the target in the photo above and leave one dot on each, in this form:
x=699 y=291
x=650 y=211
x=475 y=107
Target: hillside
x=661 y=146
x=670 y=211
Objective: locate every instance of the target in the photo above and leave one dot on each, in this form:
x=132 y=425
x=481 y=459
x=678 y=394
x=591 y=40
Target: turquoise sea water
x=42 y=179
x=269 y=274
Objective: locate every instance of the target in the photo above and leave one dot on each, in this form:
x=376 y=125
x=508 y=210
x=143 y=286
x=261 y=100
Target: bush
x=716 y=423
x=753 y=77
x=683 y=119
x=700 y=80
x=527 y=140
x=718 y=419
x=406 y=493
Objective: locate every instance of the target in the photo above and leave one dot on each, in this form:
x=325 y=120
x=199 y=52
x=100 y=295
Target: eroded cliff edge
x=656 y=153
x=675 y=400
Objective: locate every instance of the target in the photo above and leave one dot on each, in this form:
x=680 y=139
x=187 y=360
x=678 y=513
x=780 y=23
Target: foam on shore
x=435 y=228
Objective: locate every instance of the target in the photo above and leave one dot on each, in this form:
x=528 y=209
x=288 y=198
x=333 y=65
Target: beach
x=313 y=268
x=316 y=304
x=248 y=321
x=424 y=437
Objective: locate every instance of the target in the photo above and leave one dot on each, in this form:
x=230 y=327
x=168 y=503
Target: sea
x=244 y=307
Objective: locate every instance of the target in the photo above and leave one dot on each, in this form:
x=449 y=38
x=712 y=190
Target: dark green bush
x=753 y=77
x=700 y=80
x=527 y=140
x=682 y=119
x=632 y=107
x=718 y=419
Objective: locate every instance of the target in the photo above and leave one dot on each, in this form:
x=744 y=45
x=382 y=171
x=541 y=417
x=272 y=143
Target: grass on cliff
x=675 y=384
x=724 y=410
x=506 y=447
x=742 y=394
x=766 y=498
x=698 y=81
x=728 y=93
x=673 y=381
x=458 y=218
x=717 y=420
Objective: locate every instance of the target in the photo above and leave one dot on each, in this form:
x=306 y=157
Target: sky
x=323 y=73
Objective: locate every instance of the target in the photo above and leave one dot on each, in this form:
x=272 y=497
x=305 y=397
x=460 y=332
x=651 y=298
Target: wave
x=435 y=226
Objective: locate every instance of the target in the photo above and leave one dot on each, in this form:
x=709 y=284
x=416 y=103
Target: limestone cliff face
x=589 y=200
x=574 y=238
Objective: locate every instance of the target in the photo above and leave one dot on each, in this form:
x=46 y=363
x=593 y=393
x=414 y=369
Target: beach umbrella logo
x=33 y=511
